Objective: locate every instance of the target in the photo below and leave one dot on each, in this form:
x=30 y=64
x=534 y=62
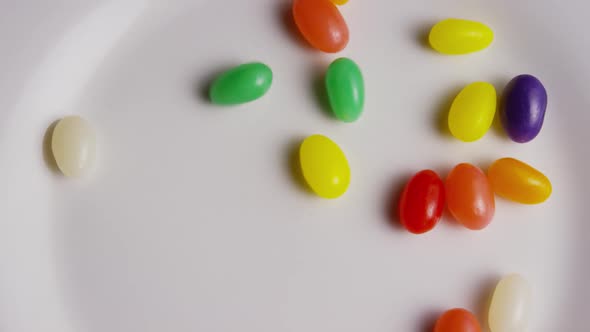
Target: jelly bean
x=346 y=89
x=523 y=108
x=457 y=320
x=469 y=196
x=321 y=24
x=339 y=2
x=472 y=111
x=73 y=144
x=324 y=166
x=519 y=182
x=457 y=36
x=422 y=202
x=510 y=305
x=241 y=84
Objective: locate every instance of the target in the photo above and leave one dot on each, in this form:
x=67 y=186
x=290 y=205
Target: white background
x=193 y=219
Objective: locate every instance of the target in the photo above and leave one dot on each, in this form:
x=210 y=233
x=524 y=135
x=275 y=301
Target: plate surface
x=194 y=220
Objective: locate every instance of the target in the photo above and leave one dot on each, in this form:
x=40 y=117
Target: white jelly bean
x=73 y=144
x=510 y=306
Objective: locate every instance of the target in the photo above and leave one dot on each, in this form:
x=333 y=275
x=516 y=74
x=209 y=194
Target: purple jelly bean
x=523 y=108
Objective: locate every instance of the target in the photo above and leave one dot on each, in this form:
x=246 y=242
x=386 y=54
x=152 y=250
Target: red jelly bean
x=457 y=320
x=470 y=197
x=321 y=24
x=422 y=202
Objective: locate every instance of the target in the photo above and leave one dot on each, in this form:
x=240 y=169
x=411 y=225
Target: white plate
x=193 y=220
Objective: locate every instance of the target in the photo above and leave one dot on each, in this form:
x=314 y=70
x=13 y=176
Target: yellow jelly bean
x=339 y=2
x=324 y=166
x=457 y=36
x=519 y=182
x=472 y=111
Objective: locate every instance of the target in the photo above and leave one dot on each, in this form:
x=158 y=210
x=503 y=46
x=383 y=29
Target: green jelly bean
x=346 y=89
x=241 y=84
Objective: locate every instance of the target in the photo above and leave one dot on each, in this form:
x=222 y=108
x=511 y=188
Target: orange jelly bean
x=518 y=181
x=457 y=320
x=321 y=24
x=469 y=196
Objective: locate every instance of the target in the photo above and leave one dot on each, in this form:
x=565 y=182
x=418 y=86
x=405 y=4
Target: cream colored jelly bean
x=73 y=144
x=510 y=306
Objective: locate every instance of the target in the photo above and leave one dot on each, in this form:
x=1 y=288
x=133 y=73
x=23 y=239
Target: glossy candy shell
x=457 y=320
x=241 y=84
x=324 y=166
x=518 y=181
x=422 y=202
x=73 y=144
x=472 y=111
x=523 y=108
x=321 y=24
x=457 y=36
x=346 y=89
x=510 y=305
x=469 y=196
